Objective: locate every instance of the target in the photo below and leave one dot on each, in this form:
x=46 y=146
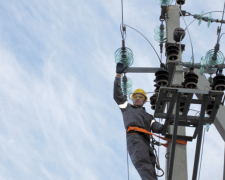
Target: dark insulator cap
x=178 y=32
x=181 y=2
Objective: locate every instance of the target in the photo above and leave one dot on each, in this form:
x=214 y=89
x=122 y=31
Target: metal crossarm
x=187 y=104
x=170 y=68
x=205 y=101
x=213 y=97
x=172 y=102
x=174 y=117
x=174 y=138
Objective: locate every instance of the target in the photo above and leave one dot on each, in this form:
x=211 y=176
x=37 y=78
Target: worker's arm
x=118 y=94
x=120 y=99
x=156 y=127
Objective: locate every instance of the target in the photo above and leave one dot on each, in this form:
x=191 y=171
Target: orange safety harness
x=147 y=132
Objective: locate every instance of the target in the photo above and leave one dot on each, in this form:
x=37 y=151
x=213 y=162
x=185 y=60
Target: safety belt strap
x=131 y=128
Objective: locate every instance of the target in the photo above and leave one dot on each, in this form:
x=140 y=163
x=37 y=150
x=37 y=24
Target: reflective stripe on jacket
x=134 y=115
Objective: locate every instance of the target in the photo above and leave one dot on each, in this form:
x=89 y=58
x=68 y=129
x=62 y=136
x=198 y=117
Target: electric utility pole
x=180 y=160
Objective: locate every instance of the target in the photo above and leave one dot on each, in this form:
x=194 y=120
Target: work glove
x=161 y=129
x=120 y=68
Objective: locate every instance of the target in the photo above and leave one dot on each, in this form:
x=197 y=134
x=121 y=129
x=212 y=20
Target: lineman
x=138 y=144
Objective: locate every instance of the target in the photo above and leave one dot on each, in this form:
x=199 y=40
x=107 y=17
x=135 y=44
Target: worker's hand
x=161 y=129
x=120 y=68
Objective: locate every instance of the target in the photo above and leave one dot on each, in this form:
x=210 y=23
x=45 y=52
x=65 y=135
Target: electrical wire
x=221 y=24
x=197 y=113
x=201 y=147
x=188 y=33
x=128 y=166
x=123 y=33
x=127 y=159
x=158 y=154
x=201 y=155
x=146 y=39
x=157 y=161
x=159 y=147
x=194 y=110
x=122 y=9
x=221 y=36
x=161 y=56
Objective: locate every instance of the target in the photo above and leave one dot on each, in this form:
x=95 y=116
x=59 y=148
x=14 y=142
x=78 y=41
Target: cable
x=159 y=147
x=161 y=56
x=127 y=159
x=197 y=113
x=158 y=154
x=194 y=110
x=201 y=154
x=146 y=39
x=157 y=160
x=122 y=9
x=221 y=36
x=221 y=24
x=188 y=33
x=123 y=33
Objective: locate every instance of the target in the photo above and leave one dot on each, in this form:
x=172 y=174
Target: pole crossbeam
x=176 y=119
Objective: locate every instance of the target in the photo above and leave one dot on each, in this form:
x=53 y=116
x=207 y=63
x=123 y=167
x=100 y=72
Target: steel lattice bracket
x=169 y=96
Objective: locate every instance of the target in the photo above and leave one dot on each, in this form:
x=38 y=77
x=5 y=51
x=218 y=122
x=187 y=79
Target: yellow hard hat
x=139 y=91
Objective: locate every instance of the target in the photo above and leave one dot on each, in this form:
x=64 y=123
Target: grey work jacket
x=134 y=115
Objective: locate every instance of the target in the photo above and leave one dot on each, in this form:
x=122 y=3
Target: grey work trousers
x=142 y=156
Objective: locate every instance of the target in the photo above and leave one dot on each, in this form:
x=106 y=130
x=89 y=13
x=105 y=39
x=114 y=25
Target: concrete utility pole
x=180 y=161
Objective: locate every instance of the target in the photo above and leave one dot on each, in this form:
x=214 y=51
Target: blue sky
x=58 y=119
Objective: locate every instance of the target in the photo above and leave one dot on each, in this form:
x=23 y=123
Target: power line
x=146 y=39
x=201 y=154
x=221 y=24
x=122 y=31
x=188 y=33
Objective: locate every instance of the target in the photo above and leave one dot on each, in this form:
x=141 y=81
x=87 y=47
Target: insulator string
x=203 y=15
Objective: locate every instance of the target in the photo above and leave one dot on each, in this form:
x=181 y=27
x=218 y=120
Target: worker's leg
x=142 y=156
